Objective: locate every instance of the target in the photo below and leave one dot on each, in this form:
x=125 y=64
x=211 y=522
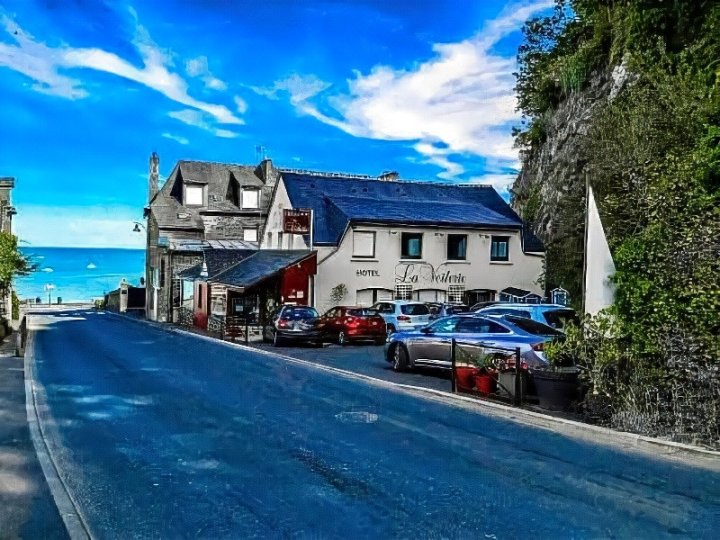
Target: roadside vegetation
x=652 y=154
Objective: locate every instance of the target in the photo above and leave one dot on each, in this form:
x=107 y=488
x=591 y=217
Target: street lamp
x=137 y=227
x=49 y=288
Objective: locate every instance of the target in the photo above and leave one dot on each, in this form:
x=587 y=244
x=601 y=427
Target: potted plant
x=485 y=376
x=557 y=385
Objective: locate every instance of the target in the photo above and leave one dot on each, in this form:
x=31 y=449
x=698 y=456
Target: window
x=456 y=293
x=411 y=246
x=473 y=325
x=251 y=198
x=363 y=244
x=194 y=195
x=250 y=234
x=200 y=297
x=445 y=326
x=414 y=309
x=176 y=292
x=499 y=248
x=188 y=289
x=403 y=291
x=162 y=273
x=456 y=247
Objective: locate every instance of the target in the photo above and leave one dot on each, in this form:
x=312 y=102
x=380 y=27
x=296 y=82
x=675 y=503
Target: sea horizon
x=78 y=274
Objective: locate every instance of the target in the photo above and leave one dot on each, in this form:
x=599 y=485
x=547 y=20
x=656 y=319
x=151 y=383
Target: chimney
x=389 y=176
x=154 y=176
x=265 y=171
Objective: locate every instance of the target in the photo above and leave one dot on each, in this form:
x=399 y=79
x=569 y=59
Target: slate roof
x=171 y=214
x=216 y=261
x=520 y=293
x=261 y=265
x=338 y=201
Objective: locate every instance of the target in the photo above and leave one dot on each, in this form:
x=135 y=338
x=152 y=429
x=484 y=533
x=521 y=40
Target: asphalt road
x=164 y=435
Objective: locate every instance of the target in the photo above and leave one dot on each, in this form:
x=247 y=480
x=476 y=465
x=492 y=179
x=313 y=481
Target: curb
x=69 y=510
x=609 y=437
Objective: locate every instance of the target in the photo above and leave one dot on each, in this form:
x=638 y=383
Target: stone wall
x=219 y=227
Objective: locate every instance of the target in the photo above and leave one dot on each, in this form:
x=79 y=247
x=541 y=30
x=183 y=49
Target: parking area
x=365 y=359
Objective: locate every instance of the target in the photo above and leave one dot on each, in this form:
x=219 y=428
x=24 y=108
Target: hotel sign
x=296 y=221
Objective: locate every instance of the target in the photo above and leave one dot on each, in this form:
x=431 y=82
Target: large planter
x=506 y=383
x=556 y=390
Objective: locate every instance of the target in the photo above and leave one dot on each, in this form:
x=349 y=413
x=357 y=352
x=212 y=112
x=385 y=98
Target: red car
x=343 y=324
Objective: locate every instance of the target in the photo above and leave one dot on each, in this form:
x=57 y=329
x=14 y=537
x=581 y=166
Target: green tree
x=12 y=262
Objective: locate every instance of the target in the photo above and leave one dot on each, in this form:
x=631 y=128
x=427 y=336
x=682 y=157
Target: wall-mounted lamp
x=137 y=227
x=392 y=232
x=439 y=234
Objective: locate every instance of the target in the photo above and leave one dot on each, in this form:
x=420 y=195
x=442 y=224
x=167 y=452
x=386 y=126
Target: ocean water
x=79 y=274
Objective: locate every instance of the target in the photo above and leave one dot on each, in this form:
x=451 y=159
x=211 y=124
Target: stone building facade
x=201 y=205
x=7 y=211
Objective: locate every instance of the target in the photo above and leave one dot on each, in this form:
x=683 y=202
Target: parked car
x=343 y=324
x=431 y=346
x=554 y=315
x=445 y=309
x=293 y=323
x=401 y=315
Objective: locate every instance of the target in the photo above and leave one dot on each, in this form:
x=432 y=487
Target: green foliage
x=12 y=262
x=652 y=155
x=338 y=293
x=15 y=306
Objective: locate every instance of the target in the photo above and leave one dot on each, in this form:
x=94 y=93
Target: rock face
x=550 y=190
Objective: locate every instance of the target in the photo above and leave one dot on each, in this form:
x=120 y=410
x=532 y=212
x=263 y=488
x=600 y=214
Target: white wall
x=432 y=274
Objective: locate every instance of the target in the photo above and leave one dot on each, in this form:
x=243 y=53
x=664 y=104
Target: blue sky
x=90 y=88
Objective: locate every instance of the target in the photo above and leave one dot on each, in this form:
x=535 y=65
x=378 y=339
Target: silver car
x=432 y=346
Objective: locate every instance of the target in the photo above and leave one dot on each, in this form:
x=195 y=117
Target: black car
x=296 y=324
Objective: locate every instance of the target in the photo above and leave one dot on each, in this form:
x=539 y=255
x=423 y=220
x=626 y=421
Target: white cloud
x=43 y=65
x=78 y=227
x=198 y=67
x=176 y=138
x=501 y=182
x=240 y=104
x=38 y=62
x=459 y=102
x=200 y=120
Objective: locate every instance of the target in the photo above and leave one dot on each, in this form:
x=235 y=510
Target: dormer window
x=250 y=198
x=194 y=195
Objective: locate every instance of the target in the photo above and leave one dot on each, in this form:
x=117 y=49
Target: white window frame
x=455 y=293
x=360 y=253
x=403 y=291
x=254 y=238
x=250 y=206
x=193 y=201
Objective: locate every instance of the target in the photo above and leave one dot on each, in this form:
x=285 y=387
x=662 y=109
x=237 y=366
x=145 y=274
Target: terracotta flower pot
x=485 y=383
x=465 y=378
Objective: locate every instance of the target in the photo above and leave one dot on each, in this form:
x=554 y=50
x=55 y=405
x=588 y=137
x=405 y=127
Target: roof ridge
x=209 y=162
x=351 y=176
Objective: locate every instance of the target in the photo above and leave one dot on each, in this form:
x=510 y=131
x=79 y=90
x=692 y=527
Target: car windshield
x=558 y=318
x=533 y=327
x=414 y=309
x=451 y=310
x=298 y=313
x=362 y=312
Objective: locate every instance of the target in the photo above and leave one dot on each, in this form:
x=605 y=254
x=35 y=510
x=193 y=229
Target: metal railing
x=502 y=366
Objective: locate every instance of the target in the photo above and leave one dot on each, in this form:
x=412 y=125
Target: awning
x=260 y=266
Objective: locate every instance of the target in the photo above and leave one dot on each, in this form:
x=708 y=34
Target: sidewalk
x=27 y=510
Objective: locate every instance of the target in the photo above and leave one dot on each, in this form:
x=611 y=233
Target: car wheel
x=342 y=339
x=277 y=340
x=400 y=358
